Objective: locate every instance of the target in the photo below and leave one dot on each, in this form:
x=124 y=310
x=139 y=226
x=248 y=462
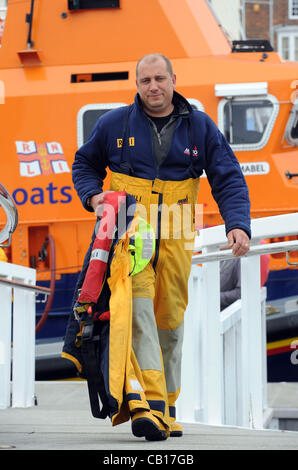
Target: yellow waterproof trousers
x=160 y=291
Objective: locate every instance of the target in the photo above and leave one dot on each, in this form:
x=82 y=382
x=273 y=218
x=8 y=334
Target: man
x=230 y=282
x=156 y=150
x=230 y=278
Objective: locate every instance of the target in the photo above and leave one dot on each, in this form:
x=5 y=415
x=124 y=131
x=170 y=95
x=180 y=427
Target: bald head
x=151 y=58
x=155 y=82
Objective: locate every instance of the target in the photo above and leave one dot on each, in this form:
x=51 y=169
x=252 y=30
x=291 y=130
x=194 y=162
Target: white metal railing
x=224 y=356
x=17 y=335
x=224 y=377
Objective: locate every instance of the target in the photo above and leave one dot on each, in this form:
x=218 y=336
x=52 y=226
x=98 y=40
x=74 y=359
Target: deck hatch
x=98 y=77
x=91 y=4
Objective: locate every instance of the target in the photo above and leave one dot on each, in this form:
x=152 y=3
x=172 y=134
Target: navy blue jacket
x=197 y=146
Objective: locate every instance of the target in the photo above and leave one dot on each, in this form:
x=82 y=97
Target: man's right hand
x=96 y=202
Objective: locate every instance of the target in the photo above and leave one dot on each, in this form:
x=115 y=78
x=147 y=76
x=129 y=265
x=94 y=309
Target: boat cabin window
x=195 y=104
x=247 y=122
x=292 y=126
x=88 y=116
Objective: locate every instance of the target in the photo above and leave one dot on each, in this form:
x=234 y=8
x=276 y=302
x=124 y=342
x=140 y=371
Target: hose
x=47 y=309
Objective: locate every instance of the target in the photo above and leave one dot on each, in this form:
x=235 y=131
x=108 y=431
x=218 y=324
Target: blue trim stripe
x=172 y=411
x=133 y=396
x=157 y=405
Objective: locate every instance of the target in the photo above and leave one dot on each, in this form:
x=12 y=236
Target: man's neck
x=161 y=121
x=158 y=114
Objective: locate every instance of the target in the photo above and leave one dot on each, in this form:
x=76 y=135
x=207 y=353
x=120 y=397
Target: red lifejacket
x=101 y=248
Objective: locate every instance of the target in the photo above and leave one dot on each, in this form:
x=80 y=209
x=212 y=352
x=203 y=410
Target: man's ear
x=174 y=80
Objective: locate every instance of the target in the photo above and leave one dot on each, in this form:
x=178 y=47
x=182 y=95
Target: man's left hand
x=238 y=241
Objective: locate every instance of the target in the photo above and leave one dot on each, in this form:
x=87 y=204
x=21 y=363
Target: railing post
x=252 y=340
x=5 y=346
x=17 y=316
x=188 y=406
x=230 y=338
x=24 y=347
x=264 y=346
x=212 y=344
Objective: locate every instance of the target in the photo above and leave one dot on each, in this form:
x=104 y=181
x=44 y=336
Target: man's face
x=155 y=87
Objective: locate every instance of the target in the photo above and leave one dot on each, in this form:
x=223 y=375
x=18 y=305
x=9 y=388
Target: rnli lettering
x=41 y=158
x=131 y=142
x=51 y=194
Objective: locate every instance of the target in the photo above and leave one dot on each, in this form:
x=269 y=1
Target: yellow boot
x=176 y=428
x=145 y=424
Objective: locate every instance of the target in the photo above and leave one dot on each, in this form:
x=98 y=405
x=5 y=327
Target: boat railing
x=17 y=335
x=224 y=365
x=224 y=353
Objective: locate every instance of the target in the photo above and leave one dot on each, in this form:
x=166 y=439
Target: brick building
x=275 y=20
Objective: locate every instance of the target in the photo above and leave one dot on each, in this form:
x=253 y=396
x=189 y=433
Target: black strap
x=90 y=353
x=191 y=169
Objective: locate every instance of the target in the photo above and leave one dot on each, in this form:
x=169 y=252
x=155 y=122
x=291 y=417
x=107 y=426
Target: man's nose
x=153 y=85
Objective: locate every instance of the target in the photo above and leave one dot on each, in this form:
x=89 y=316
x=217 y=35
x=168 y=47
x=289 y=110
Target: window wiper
x=29 y=20
x=231 y=121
